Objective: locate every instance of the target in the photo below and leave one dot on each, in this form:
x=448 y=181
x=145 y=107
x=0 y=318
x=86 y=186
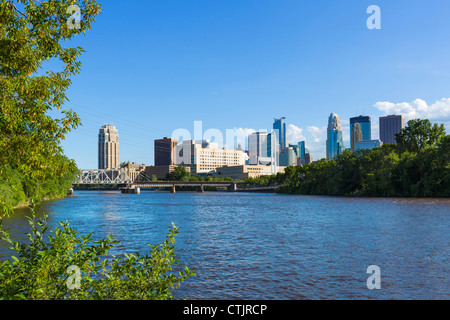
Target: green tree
x=32 y=119
x=179 y=174
x=419 y=134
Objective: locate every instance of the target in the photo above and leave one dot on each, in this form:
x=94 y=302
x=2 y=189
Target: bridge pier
x=70 y=193
x=232 y=187
x=132 y=191
x=200 y=189
x=172 y=189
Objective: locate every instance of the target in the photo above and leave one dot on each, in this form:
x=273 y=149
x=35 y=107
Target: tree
x=178 y=174
x=419 y=134
x=32 y=33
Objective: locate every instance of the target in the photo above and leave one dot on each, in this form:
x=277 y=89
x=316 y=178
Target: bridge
x=121 y=178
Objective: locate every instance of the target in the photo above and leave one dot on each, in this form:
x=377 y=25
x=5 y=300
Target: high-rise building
x=308 y=158
x=356 y=135
x=279 y=126
x=300 y=149
x=389 y=126
x=108 y=147
x=366 y=128
x=273 y=151
x=258 y=149
x=335 y=143
x=165 y=151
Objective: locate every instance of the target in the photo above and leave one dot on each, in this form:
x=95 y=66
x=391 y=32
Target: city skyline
x=258 y=143
x=182 y=62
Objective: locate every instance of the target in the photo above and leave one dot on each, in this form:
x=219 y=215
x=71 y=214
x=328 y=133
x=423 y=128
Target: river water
x=272 y=246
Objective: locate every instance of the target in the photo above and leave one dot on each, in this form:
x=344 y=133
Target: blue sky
x=152 y=67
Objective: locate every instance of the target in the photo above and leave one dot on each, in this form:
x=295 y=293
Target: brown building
x=133 y=170
x=165 y=151
x=389 y=126
x=308 y=158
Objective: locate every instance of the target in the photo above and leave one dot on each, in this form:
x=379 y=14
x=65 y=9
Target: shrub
x=39 y=271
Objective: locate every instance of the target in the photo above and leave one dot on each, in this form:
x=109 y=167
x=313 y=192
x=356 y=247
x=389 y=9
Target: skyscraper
x=335 y=144
x=108 y=147
x=366 y=129
x=356 y=135
x=279 y=126
x=389 y=126
x=273 y=151
x=257 y=148
x=165 y=151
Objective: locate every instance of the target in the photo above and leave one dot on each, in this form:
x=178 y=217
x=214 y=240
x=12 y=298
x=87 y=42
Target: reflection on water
x=269 y=246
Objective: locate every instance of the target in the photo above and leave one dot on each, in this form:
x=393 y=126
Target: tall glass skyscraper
x=335 y=143
x=366 y=128
x=279 y=126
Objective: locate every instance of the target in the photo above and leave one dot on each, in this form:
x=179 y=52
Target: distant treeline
x=417 y=166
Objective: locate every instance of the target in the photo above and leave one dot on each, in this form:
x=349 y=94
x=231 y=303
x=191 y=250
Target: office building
x=165 y=151
x=389 y=126
x=258 y=150
x=133 y=170
x=203 y=156
x=365 y=145
x=279 y=127
x=108 y=147
x=335 y=143
x=356 y=135
x=308 y=158
x=366 y=128
x=273 y=151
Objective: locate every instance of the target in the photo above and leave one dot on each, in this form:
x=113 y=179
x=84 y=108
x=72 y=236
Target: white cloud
x=318 y=134
x=417 y=109
x=295 y=134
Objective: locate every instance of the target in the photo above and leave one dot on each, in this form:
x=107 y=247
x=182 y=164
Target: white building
x=258 y=149
x=203 y=156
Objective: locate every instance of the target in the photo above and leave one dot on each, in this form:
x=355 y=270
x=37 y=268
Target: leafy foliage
x=38 y=271
x=179 y=174
x=32 y=119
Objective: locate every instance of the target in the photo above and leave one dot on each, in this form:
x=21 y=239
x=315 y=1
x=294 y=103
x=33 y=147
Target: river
x=273 y=246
